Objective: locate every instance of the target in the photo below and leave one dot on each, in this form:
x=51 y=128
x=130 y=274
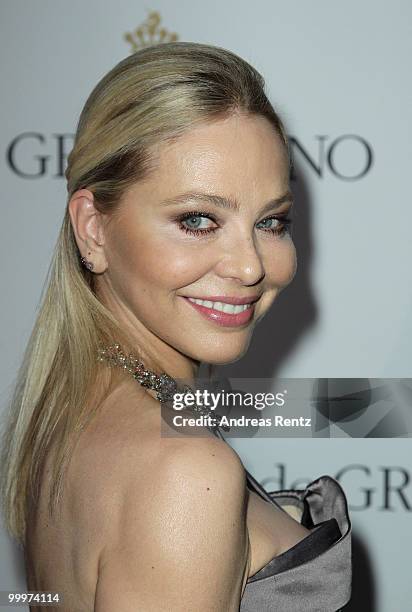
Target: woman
x=178 y=198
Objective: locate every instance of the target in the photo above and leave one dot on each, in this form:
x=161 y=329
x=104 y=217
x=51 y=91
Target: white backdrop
x=338 y=73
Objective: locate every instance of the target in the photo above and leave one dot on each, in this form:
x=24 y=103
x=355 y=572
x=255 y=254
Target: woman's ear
x=88 y=229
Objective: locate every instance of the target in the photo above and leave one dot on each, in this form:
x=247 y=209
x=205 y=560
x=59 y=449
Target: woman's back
x=138 y=511
x=62 y=553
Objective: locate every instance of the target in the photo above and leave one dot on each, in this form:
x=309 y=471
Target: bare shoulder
x=178 y=535
x=124 y=448
x=181 y=541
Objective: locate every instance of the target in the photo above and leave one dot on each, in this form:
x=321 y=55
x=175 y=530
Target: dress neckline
x=320 y=537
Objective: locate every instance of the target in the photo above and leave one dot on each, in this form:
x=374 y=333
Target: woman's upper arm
x=182 y=542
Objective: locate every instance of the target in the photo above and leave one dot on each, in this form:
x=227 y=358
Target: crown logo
x=149 y=33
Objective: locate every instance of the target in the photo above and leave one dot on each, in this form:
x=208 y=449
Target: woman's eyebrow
x=223 y=201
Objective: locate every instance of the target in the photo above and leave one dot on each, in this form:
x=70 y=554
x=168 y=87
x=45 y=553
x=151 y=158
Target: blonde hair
x=148 y=98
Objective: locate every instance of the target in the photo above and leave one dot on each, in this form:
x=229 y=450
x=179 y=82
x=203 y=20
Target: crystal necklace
x=164 y=385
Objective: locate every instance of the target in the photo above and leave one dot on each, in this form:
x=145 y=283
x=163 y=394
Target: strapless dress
x=315 y=575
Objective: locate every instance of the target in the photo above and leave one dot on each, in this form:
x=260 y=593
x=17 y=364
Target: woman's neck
x=160 y=357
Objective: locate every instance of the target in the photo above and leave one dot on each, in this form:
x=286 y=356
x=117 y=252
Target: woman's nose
x=240 y=259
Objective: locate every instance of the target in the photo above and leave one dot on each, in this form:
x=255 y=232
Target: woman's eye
x=196 y=223
x=269 y=223
x=277 y=225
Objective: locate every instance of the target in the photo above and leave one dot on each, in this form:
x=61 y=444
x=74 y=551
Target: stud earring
x=87 y=264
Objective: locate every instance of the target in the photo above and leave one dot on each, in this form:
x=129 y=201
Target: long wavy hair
x=150 y=97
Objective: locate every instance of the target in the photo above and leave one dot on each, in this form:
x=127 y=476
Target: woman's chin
x=225 y=355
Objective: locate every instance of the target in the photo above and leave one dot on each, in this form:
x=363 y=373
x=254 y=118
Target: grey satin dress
x=315 y=575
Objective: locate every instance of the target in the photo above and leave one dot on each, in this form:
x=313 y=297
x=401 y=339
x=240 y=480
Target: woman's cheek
x=293 y=262
x=281 y=264
x=167 y=260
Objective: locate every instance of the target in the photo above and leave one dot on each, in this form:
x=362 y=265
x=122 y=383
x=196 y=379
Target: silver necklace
x=164 y=385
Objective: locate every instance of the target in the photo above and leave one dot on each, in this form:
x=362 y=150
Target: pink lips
x=225 y=318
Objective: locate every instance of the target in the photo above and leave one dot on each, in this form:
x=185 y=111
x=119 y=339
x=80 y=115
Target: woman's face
x=177 y=237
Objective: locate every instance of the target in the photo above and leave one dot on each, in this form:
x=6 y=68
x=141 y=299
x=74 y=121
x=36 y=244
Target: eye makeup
x=283 y=227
